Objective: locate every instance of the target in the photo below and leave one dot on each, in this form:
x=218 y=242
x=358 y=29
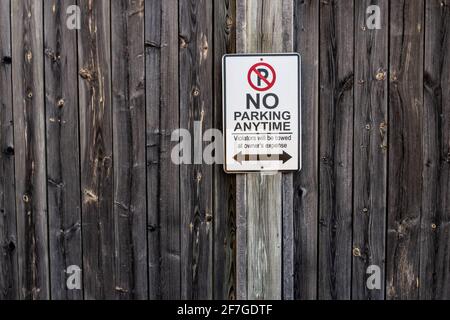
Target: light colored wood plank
x=262 y=26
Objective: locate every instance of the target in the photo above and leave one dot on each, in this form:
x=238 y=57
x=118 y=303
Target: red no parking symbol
x=261 y=76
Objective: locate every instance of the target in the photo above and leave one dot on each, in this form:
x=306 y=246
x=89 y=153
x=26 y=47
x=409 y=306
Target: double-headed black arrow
x=240 y=157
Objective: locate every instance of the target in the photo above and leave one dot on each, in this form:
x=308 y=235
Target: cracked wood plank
x=94 y=52
x=163 y=175
x=224 y=185
x=263 y=26
x=370 y=154
x=405 y=148
x=128 y=91
x=29 y=137
x=336 y=149
x=8 y=228
x=435 y=225
x=63 y=163
x=196 y=115
x=305 y=186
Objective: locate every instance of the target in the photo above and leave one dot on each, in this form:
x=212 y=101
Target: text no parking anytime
x=262 y=112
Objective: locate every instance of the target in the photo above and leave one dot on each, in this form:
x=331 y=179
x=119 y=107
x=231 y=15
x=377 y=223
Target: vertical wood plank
x=163 y=175
x=305 y=186
x=241 y=189
x=241 y=237
x=262 y=27
x=435 y=241
x=336 y=148
x=405 y=148
x=287 y=16
x=288 y=259
x=128 y=91
x=153 y=93
x=94 y=52
x=63 y=170
x=370 y=149
x=8 y=228
x=30 y=162
x=224 y=185
x=196 y=115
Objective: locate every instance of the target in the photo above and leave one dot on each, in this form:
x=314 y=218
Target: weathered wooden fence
x=86 y=177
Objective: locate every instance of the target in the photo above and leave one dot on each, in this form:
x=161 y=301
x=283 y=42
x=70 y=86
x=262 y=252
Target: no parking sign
x=261 y=112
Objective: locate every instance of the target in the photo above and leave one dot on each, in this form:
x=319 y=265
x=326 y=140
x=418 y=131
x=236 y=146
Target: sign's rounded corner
x=226 y=170
x=225 y=56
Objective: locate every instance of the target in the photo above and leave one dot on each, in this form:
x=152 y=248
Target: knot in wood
x=6 y=60
x=29 y=56
x=9 y=151
x=356 y=252
x=381 y=75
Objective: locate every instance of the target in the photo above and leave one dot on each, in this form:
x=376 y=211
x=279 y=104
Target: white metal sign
x=261 y=112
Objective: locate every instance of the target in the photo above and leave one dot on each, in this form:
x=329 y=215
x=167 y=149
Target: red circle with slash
x=268 y=84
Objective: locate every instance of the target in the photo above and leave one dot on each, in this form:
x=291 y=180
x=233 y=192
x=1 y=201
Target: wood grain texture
x=87 y=179
x=370 y=149
x=196 y=115
x=287 y=183
x=405 y=148
x=336 y=148
x=63 y=163
x=8 y=229
x=262 y=26
x=29 y=137
x=94 y=54
x=130 y=210
x=435 y=225
x=305 y=185
x=163 y=176
x=224 y=192
x=288 y=240
x=241 y=189
x=153 y=94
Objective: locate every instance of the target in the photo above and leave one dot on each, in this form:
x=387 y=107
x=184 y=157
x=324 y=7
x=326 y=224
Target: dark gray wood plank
x=336 y=148
x=128 y=90
x=153 y=76
x=405 y=148
x=94 y=54
x=435 y=238
x=63 y=169
x=196 y=110
x=370 y=150
x=163 y=175
x=8 y=231
x=224 y=185
x=29 y=137
x=305 y=186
